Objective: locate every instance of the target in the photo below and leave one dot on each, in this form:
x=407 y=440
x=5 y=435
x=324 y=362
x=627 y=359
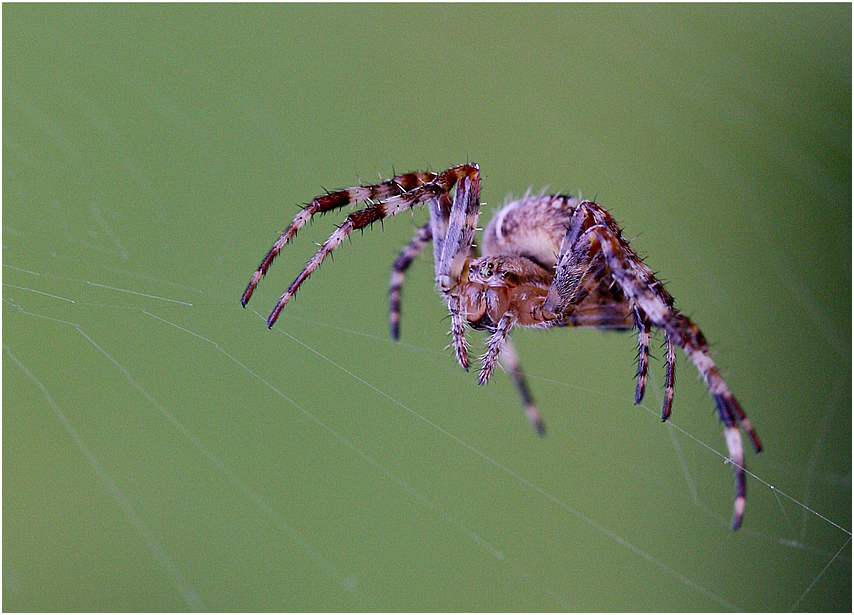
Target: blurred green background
x=162 y=450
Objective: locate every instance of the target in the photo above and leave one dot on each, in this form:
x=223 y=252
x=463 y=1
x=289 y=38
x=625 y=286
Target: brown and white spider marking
x=548 y=261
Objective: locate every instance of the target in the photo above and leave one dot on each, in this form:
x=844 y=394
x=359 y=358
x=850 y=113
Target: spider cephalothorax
x=548 y=261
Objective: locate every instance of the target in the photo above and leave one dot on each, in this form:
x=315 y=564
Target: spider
x=548 y=261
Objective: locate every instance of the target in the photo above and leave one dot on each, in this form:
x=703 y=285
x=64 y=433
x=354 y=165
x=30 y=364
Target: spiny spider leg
x=508 y=357
x=669 y=376
x=634 y=279
x=452 y=268
x=616 y=316
x=510 y=360
x=494 y=346
x=398 y=270
x=329 y=202
x=356 y=220
x=643 y=354
x=362 y=218
x=461 y=225
x=458 y=332
x=440 y=210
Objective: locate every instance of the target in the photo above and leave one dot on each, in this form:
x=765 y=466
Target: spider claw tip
x=271 y=320
x=738 y=512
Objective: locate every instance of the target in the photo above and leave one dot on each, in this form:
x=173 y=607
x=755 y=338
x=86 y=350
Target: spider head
x=513 y=284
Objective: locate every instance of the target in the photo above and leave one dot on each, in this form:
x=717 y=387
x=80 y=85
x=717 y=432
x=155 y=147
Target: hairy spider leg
x=434 y=230
x=357 y=220
x=494 y=346
x=440 y=184
x=643 y=353
x=508 y=357
x=669 y=376
x=510 y=360
x=440 y=211
x=577 y=273
x=398 y=272
x=608 y=314
x=635 y=280
x=453 y=260
x=461 y=224
x=336 y=200
x=589 y=215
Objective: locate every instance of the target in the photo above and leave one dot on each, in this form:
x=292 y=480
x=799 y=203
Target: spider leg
x=458 y=332
x=636 y=280
x=669 y=376
x=398 y=270
x=440 y=211
x=461 y=224
x=639 y=284
x=507 y=357
x=494 y=346
x=510 y=360
x=573 y=280
x=329 y=202
x=736 y=457
x=643 y=353
x=602 y=315
x=440 y=184
x=456 y=245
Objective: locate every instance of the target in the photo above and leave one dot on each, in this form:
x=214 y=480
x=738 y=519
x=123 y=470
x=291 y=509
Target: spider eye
x=487 y=269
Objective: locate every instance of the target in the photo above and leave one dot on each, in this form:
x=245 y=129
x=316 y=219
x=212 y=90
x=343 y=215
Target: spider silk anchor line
x=547 y=261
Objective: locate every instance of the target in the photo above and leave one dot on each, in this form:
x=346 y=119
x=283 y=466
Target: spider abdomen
x=533 y=227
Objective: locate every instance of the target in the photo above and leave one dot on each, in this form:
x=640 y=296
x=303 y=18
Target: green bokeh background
x=162 y=450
